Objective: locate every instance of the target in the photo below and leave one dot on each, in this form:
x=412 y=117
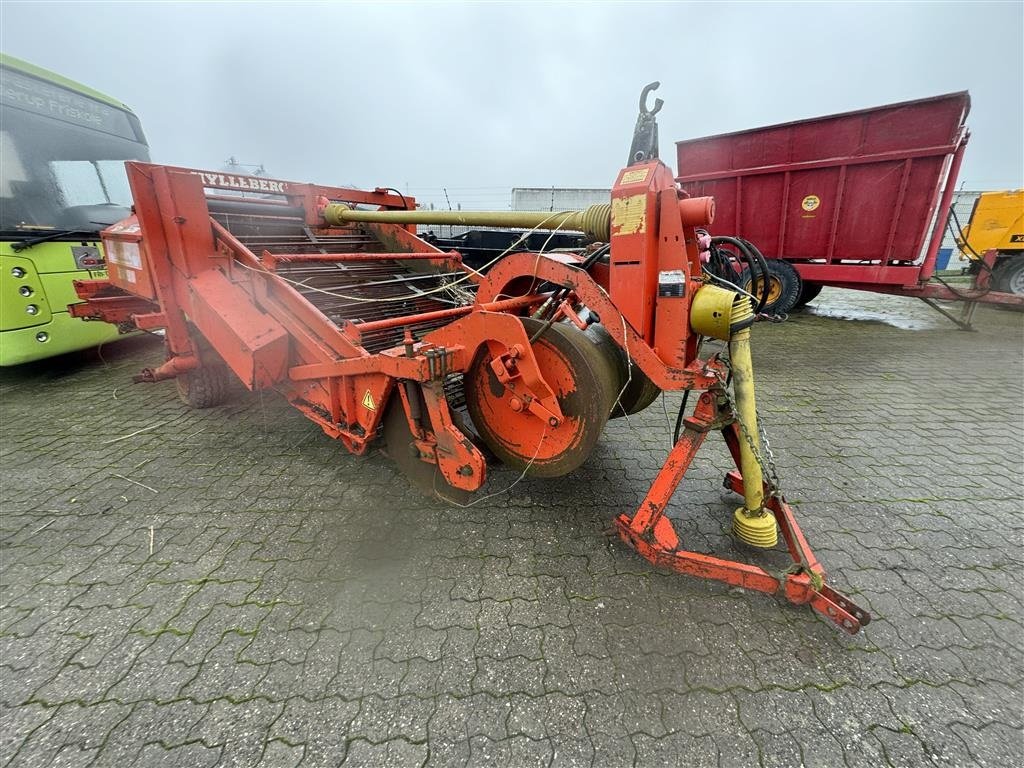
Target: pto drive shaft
x=751 y=523
x=727 y=315
x=594 y=222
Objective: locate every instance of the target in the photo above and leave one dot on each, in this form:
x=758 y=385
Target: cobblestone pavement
x=229 y=587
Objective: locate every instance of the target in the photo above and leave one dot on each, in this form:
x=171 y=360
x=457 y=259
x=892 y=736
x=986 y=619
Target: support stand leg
x=963 y=326
x=652 y=534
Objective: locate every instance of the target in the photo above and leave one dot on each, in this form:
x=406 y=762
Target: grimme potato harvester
x=327 y=296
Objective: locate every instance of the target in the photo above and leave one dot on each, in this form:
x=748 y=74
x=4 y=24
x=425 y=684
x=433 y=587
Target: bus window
x=91 y=182
x=13 y=171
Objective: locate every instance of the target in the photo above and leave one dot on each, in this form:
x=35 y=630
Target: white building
x=558 y=198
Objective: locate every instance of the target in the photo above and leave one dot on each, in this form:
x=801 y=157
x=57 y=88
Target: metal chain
x=769 y=469
x=771 y=472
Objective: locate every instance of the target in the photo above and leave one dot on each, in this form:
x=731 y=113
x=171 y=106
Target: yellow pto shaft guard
x=728 y=315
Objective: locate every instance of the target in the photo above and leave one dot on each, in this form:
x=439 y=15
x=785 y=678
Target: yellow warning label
x=368 y=401
x=810 y=203
x=634 y=177
x=629 y=215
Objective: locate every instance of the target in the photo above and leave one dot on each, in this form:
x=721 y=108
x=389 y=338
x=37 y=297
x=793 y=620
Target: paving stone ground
x=229 y=587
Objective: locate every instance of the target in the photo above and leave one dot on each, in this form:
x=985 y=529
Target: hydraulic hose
x=550 y=306
x=756 y=263
x=763 y=262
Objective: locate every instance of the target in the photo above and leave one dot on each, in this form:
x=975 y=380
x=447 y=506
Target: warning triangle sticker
x=368 y=401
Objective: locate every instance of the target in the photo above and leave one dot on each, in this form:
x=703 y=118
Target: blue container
x=942 y=259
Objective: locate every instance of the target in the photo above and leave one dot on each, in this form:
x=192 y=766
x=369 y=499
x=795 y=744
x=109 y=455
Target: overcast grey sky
x=482 y=97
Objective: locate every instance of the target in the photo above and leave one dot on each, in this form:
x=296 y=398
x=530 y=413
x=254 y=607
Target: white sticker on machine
x=126 y=254
x=672 y=282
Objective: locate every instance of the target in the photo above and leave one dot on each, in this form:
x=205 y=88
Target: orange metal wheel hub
x=521 y=439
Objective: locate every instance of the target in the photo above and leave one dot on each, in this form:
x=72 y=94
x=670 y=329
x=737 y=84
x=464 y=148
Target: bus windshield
x=62 y=157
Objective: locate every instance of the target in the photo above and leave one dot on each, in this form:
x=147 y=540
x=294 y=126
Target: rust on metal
x=372 y=332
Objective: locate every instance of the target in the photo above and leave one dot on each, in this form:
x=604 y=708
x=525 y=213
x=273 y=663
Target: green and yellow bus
x=62 y=180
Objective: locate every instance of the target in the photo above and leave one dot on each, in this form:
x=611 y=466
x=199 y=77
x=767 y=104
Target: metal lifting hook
x=645 y=135
x=658 y=103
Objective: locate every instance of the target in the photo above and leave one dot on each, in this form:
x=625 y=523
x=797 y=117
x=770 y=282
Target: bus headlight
x=25 y=291
x=32 y=309
x=42 y=337
x=18 y=272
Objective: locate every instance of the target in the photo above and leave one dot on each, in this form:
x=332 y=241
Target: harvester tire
x=808 y=293
x=1008 y=276
x=785 y=287
x=203 y=387
x=633 y=390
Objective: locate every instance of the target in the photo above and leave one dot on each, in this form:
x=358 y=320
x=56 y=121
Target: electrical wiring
x=515 y=482
x=441 y=289
x=733 y=286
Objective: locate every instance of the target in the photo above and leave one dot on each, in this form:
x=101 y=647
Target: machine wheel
x=427 y=477
x=637 y=391
x=1008 y=277
x=584 y=387
x=784 y=287
x=203 y=387
x=808 y=293
x=639 y=394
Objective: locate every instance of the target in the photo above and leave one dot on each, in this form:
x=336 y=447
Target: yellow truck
x=997 y=223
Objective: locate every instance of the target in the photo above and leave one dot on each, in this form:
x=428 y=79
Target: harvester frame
x=229 y=289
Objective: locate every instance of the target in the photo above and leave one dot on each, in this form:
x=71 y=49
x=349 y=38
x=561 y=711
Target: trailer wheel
x=784 y=287
x=808 y=293
x=203 y=387
x=1009 y=276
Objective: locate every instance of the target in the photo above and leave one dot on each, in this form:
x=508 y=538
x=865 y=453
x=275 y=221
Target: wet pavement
x=229 y=587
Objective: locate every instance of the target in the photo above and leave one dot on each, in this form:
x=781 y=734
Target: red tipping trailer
x=848 y=200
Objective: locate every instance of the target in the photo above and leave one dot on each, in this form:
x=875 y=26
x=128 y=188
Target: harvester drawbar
x=328 y=296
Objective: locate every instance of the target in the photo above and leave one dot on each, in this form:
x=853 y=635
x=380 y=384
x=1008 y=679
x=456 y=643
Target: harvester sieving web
x=328 y=296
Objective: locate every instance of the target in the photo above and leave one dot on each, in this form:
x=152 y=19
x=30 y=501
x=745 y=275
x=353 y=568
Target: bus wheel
x=203 y=387
x=784 y=287
x=808 y=293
